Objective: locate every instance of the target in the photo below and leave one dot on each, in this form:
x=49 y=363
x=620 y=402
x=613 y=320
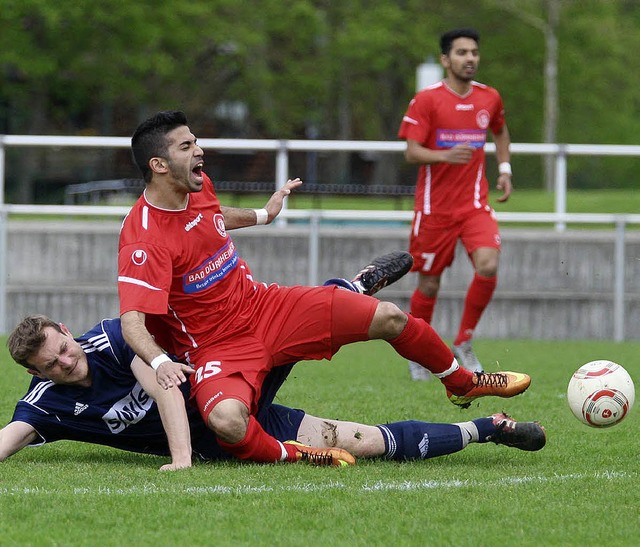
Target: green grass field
x=581 y=489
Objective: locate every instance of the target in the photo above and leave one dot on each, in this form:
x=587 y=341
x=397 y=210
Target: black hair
x=446 y=40
x=149 y=140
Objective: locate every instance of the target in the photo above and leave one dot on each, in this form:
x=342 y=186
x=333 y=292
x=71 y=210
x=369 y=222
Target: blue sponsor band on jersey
x=212 y=270
x=448 y=138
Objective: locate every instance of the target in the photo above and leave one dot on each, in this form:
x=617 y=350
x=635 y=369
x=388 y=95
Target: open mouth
x=197 y=170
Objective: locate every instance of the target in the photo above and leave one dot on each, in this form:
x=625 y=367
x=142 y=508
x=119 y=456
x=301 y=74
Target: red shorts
x=293 y=323
x=433 y=239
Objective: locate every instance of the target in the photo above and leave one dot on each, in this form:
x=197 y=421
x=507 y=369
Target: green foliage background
x=332 y=70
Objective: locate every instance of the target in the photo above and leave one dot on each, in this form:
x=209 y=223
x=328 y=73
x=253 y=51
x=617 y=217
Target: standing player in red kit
x=184 y=290
x=445 y=128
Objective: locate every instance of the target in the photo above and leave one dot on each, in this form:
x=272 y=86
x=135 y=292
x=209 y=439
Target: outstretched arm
x=171 y=405
x=235 y=217
x=14 y=437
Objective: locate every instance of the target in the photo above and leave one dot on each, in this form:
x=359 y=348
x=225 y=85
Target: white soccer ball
x=601 y=393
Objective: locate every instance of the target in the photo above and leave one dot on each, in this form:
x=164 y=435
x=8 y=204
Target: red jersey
x=182 y=268
x=438 y=118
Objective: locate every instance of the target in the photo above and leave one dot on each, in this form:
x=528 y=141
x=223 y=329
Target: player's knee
x=229 y=420
x=487 y=268
x=388 y=321
x=429 y=286
x=485 y=262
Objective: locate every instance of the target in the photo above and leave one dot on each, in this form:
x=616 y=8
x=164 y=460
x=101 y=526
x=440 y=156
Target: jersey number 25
x=211 y=368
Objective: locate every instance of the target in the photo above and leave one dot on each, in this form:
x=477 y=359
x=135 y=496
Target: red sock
x=478 y=297
x=422 y=305
x=257 y=445
x=418 y=342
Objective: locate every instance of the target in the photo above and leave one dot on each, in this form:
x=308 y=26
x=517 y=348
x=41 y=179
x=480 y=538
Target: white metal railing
x=282 y=148
x=315 y=218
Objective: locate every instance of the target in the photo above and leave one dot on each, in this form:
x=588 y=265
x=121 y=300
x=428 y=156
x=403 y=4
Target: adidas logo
x=423 y=446
x=79 y=408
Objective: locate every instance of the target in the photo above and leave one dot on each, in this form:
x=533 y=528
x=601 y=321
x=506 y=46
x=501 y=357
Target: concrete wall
x=551 y=286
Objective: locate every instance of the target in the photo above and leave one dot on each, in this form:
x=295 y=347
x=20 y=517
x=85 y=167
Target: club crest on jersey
x=482 y=119
x=218 y=222
x=211 y=270
x=138 y=257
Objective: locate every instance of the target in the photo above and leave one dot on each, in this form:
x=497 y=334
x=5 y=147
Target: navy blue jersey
x=116 y=411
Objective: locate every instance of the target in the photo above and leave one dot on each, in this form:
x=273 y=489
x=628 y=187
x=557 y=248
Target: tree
x=294 y=68
x=66 y=63
x=547 y=23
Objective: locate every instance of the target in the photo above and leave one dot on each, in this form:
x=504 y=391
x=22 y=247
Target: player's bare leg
x=358 y=439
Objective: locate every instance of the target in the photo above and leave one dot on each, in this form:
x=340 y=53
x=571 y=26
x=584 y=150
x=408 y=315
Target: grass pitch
x=581 y=489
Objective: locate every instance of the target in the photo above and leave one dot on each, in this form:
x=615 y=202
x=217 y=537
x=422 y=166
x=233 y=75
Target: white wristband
x=262 y=215
x=504 y=168
x=157 y=361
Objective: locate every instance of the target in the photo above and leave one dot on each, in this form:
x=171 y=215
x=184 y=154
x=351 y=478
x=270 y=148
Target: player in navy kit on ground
x=90 y=389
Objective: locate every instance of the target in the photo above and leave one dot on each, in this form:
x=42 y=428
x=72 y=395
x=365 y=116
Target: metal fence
x=317 y=219
x=282 y=149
